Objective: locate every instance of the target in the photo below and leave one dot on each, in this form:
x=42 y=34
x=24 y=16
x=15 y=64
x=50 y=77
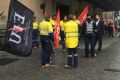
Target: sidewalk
x=105 y=66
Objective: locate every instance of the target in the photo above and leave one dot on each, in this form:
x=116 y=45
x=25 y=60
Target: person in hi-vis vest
x=79 y=27
x=62 y=33
x=35 y=43
x=71 y=42
x=46 y=36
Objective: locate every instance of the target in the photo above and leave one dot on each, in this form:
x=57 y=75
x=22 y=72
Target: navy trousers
x=62 y=35
x=46 y=50
x=35 y=38
x=72 y=57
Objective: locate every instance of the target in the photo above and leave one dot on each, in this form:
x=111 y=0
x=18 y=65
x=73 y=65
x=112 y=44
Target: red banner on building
x=82 y=16
x=57 y=31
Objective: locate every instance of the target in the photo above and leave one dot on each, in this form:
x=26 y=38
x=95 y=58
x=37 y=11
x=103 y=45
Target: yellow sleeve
x=61 y=23
x=50 y=28
x=78 y=22
x=65 y=27
x=37 y=24
x=52 y=22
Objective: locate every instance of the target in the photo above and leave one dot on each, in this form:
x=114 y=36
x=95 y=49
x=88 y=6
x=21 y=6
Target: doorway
x=64 y=9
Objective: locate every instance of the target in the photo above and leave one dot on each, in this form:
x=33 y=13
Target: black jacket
x=100 y=27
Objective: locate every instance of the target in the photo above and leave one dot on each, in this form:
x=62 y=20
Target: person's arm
x=50 y=32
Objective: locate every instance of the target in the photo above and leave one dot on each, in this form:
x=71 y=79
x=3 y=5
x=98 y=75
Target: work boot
x=93 y=56
x=67 y=66
x=35 y=47
x=45 y=66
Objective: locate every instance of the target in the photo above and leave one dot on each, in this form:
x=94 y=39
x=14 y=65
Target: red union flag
x=57 y=31
x=82 y=16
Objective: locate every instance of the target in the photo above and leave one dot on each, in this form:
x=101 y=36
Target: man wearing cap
x=35 y=43
x=46 y=35
x=79 y=27
x=62 y=33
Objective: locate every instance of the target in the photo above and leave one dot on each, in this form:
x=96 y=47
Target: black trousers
x=98 y=38
x=72 y=57
x=110 y=32
x=62 y=35
x=46 y=49
x=89 y=40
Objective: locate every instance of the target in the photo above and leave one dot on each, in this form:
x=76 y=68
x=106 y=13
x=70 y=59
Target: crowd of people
x=70 y=33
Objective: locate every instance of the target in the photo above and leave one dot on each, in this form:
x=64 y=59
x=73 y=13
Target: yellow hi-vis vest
x=53 y=22
x=45 y=28
x=62 y=25
x=77 y=21
x=71 y=34
x=35 y=25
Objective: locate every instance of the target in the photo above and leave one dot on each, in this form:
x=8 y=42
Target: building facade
x=45 y=7
x=48 y=7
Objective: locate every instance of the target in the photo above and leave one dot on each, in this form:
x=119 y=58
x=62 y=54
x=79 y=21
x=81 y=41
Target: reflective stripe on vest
x=72 y=37
x=71 y=34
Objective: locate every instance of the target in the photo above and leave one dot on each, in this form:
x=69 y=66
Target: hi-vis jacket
x=53 y=22
x=35 y=25
x=77 y=21
x=45 y=28
x=71 y=34
x=62 y=24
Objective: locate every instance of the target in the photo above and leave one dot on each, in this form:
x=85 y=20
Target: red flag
x=82 y=16
x=57 y=30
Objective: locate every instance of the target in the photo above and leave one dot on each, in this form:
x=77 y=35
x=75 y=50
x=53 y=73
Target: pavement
x=106 y=66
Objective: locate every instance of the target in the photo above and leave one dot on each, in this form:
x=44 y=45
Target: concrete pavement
x=106 y=66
